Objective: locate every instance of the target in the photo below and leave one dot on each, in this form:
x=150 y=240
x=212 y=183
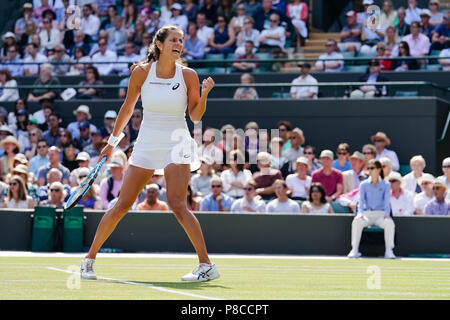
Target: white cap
x=425 y=12
x=83 y=156
x=351 y=13
x=176 y=6
x=111 y=114
x=83 y=108
x=367 y=2
x=116 y=162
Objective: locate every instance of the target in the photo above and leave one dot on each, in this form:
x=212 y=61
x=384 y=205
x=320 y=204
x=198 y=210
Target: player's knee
x=120 y=209
x=177 y=205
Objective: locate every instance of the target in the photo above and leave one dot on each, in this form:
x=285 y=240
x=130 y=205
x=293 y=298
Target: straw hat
x=9 y=139
x=20 y=168
x=83 y=108
x=358 y=155
x=381 y=135
x=21 y=158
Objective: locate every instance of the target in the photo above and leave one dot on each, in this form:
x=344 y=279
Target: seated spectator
x=9 y=40
x=246 y=93
x=425 y=27
x=353 y=177
x=35 y=135
x=351 y=34
x=216 y=200
x=441 y=35
x=391 y=41
x=33 y=56
x=388 y=15
x=107 y=22
x=436 y=15
x=297 y=138
x=7 y=81
x=40 y=159
x=81 y=59
x=282 y=204
x=304 y=92
x=69 y=156
x=444 y=59
x=177 y=18
x=298 y=182
x=422 y=198
x=371 y=35
x=49 y=36
x=246 y=66
x=193 y=204
x=249 y=202
x=387 y=165
x=412 y=12
x=16 y=67
x=32 y=189
x=341 y=163
x=238 y=20
x=27 y=15
x=209 y=148
x=53 y=134
x=123 y=88
x=298 y=12
x=266 y=176
x=117 y=35
x=404 y=64
x=104 y=55
x=274 y=37
x=411 y=180
x=385 y=65
x=401 y=199
x=152 y=203
x=17 y=194
x=373 y=76
x=45 y=79
x=82 y=115
x=278 y=161
x=39 y=10
x=60 y=56
x=234 y=179
x=76 y=175
x=56 y=196
x=109 y=120
x=194 y=47
x=84 y=139
x=201 y=181
x=26 y=37
x=381 y=141
x=92 y=78
x=247 y=33
x=131 y=15
x=110 y=186
x=204 y=32
x=439 y=206
x=54 y=156
x=90 y=23
x=223 y=39
x=369 y=151
x=190 y=10
x=330 y=65
x=419 y=44
x=209 y=9
x=402 y=26
x=317 y=201
x=80 y=41
x=11 y=148
x=330 y=178
x=445 y=178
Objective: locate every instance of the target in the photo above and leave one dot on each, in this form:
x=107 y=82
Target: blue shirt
x=36 y=162
x=196 y=49
x=210 y=204
x=347 y=166
x=375 y=197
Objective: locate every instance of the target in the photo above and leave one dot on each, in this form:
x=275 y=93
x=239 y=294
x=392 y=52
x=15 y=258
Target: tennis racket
x=84 y=186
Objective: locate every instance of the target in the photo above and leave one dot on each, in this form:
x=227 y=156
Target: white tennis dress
x=164 y=136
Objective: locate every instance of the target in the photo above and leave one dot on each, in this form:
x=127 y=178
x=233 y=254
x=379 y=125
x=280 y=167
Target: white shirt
x=404 y=205
x=205 y=33
x=10 y=94
x=445 y=54
x=392 y=156
x=90 y=26
x=49 y=42
x=228 y=177
x=289 y=206
x=104 y=68
x=257 y=205
x=420 y=200
x=299 y=187
x=410 y=182
x=211 y=151
x=304 y=92
x=33 y=68
x=278 y=30
x=336 y=55
x=181 y=21
x=123 y=68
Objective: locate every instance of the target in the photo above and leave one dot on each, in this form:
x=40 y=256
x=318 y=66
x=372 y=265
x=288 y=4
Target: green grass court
x=158 y=277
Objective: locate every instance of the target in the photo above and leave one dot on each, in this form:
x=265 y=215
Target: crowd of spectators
x=242 y=170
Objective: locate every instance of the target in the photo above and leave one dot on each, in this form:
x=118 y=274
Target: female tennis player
x=166 y=88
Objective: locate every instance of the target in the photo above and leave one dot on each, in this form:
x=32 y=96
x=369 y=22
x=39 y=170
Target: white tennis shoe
x=204 y=272
x=87 y=269
x=354 y=254
x=389 y=254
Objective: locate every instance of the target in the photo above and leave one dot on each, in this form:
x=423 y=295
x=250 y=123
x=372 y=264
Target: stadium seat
x=433 y=67
x=348 y=55
x=373 y=229
x=358 y=69
x=264 y=66
x=404 y=169
x=203 y=70
x=406 y=94
x=338 y=208
x=281 y=95
x=434 y=53
x=368 y=55
x=215 y=56
x=231 y=56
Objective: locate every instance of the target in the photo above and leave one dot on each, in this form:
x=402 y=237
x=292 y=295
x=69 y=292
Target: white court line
x=143 y=285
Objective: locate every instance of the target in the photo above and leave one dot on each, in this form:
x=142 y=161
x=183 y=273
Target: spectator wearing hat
x=426 y=27
x=201 y=181
x=17 y=195
x=440 y=205
x=353 y=177
x=419 y=44
x=83 y=158
x=7 y=82
x=282 y=204
x=54 y=156
x=177 y=18
x=32 y=189
x=40 y=159
x=249 y=202
x=422 y=198
x=342 y=163
x=53 y=134
x=373 y=209
x=248 y=54
x=27 y=15
x=110 y=186
x=44 y=83
x=152 y=203
x=401 y=199
x=109 y=121
x=441 y=34
x=350 y=34
x=412 y=12
x=216 y=200
x=33 y=56
x=325 y=64
x=381 y=141
x=373 y=76
x=82 y=115
x=299 y=182
x=330 y=178
x=304 y=92
x=436 y=16
x=14 y=62
x=11 y=147
x=234 y=178
x=9 y=40
x=411 y=180
x=297 y=138
x=266 y=176
x=445 y=178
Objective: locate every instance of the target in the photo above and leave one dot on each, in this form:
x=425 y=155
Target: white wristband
x=114 y=141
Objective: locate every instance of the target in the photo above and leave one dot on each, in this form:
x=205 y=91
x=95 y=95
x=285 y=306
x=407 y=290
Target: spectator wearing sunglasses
x=297 y=138
x=401 y=199
x=446 y=172
x=342 y=163
x=387 y=166
x=249 y=202
x=374 y=209
x=317 y=201
x=310 y=154
x=381 y=141
x=440 y=206
x=40 y=159
x=421 y=199
x=216 y=200
x=56 y=196
x=17 y=194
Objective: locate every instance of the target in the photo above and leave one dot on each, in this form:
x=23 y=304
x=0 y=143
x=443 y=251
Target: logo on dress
x=175 y=87
x=186 y=156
